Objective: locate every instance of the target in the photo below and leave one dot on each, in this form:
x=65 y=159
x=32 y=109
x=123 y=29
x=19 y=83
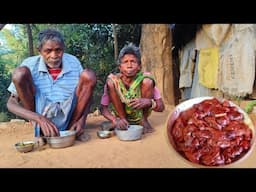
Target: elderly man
x=52 y=90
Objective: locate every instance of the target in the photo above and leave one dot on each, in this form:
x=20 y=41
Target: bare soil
x=153 y=150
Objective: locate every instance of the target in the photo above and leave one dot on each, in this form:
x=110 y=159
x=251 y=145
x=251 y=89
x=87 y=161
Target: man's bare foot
x=83 y=137
x=147 y=127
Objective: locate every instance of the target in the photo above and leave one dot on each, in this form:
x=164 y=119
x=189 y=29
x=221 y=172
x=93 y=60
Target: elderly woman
x=132 y=92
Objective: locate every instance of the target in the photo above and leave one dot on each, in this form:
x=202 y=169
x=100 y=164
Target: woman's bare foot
x=147 y=127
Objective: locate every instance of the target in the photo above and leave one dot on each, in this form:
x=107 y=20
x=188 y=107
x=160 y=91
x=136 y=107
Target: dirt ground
x=152 y=151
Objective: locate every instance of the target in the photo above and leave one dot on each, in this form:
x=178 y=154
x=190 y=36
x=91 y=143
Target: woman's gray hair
x=129 y=49
x=50 y=34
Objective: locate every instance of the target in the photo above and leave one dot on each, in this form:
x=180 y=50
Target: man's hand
x=78 y=127
x=48 y=128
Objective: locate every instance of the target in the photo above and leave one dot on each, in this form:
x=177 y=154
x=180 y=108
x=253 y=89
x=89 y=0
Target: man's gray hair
x=50 y=34
x=129 y=49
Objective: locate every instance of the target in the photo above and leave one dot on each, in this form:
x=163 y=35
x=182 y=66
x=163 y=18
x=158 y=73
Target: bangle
x=153 y=104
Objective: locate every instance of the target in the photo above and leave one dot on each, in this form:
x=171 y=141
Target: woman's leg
x=147 y=88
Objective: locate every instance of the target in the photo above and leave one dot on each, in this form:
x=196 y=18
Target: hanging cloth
x=208 y=67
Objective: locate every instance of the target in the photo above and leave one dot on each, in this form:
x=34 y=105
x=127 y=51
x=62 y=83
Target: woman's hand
x=140 y=103
x=121 y=123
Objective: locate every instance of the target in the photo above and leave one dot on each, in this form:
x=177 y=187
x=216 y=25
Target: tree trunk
x=115 y=41
x=156 y=56
x=30 y=40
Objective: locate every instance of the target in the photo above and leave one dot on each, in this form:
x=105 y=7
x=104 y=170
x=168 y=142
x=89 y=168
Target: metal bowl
x=187 y=105
x=66 y=139
x=134 y=132
x=103 y=134
x=24 y=146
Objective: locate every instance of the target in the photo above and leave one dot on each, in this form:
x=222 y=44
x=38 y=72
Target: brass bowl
x=25 y=146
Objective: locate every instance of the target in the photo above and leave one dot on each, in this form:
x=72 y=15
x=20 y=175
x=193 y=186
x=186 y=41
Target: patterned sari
x=134 y=116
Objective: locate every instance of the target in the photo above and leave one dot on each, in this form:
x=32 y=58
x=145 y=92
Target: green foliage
x=127 y=33
x=16 y=46
x=92 y=44
x=4 y=117
x=17 y=43
x=249 y=106
x=4 y=82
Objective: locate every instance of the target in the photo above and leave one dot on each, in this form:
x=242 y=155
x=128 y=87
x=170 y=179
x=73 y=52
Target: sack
x=237 y=62
x=208 y=67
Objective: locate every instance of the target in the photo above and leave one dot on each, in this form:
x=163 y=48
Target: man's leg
x=23 y=82
x=85 y=136
x=84 y=93
x=147 y=88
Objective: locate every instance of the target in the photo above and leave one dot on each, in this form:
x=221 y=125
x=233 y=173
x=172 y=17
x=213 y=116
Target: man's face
x=129 y=65
x=52 y=53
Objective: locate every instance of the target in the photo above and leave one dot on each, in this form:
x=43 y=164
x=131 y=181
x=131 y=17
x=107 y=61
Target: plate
x=187 y=105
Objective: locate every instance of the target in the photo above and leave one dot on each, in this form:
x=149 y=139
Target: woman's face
x=52 y=53
x=129 y=65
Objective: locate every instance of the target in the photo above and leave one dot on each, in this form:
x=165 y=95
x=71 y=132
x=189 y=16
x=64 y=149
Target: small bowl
x=103 y=134
x=25 y=146
x=134 y=132
x=66 y=139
